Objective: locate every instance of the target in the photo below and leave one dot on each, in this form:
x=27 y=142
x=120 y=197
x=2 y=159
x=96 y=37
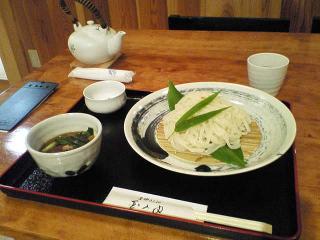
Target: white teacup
x=105 y=96
x=266 y=71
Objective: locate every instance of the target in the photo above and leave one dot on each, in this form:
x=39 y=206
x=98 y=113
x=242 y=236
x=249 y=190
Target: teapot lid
x=92 y=28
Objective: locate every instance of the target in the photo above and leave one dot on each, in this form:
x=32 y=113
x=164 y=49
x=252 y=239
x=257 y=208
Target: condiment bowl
x=67 y=163
x=105 y=96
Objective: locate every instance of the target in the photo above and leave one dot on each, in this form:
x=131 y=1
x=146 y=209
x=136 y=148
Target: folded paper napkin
x=102 y=74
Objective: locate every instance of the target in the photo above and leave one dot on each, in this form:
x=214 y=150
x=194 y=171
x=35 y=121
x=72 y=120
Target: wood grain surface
x=184 y=7
x=41 y=25
x=181 y=56
x=238 y=8
x=4 y=85
x=152 y=14
x=123 y=13
x=11 y=50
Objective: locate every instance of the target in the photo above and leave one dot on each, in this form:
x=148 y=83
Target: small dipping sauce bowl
x=67 y=163
x=105 y=96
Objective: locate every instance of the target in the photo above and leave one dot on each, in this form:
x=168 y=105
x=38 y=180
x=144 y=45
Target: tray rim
x=171 y=219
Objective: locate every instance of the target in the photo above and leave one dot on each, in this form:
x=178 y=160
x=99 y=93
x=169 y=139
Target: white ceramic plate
x=277 y=126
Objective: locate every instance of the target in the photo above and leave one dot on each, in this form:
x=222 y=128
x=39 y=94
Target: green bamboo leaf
x=231 y=156
x=173 y=96
x=188 y=123
x=197 y=107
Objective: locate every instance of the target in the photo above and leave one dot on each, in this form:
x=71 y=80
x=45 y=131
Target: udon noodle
x=225 y=128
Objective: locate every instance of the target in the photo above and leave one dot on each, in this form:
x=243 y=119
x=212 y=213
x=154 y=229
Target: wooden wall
x=41 y=25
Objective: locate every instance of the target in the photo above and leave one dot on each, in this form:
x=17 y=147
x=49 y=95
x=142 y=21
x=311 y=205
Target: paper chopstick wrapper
x=153 y=203
x=102 y=74
x=177 y=208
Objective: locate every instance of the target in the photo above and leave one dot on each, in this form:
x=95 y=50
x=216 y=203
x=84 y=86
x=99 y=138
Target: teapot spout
x=114 y=44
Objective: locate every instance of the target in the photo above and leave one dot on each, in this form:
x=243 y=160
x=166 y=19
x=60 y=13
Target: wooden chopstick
x=234 y=222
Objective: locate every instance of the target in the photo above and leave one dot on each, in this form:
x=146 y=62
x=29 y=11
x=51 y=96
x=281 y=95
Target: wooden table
x=181 y=56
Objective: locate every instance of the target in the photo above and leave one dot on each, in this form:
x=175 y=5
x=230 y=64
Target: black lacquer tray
x=268 y=194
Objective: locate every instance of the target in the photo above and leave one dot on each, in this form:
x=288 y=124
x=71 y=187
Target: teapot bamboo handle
x=89 y=5
x=67 y=11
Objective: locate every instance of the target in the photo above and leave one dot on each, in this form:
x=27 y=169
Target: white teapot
x=92 y=44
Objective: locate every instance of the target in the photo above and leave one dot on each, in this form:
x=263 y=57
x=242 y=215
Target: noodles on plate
x=225 y=128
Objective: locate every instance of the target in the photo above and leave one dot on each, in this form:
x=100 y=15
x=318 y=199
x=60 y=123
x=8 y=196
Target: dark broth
x=67 y=141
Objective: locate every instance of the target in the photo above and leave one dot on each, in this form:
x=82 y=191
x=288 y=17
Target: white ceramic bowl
x=69 y=163
x=105 y=96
